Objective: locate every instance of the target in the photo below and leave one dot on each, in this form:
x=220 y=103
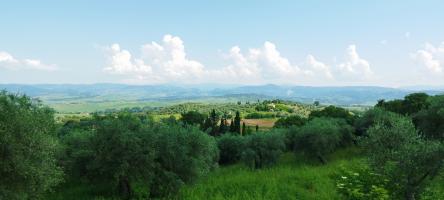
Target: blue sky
x=387 y=43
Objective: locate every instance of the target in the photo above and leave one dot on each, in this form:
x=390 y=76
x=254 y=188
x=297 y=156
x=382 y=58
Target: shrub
x=430 y=120
x=183 y=155
x=28 y=148
x=409 y=161
x=230 y=148
x=334 y=112
x=370 y=117
x=140 y=159
x=263 y=149
x=260 y=115
x=321 y=136
x=411 y=104
x=123 y=153
x=286 y=122
x=361 y=183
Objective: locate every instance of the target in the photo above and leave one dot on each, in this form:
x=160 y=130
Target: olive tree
x=28 y=148
x=263 y=149
x=321 y=136
x=396 y=150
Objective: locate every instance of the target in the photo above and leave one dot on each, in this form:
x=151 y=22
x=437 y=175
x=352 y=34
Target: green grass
x=292 y=178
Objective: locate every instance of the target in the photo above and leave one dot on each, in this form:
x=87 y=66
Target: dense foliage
x=141 y=158
x=137 y=155
x=321 y=136
x=193 y=118
x=411 y=104
x=397 y=151
x=334 y=112
x=263 y=149
x=430 y=121
x=28 y=148
x=287 y=122
x=231 y=147
x=361 y=183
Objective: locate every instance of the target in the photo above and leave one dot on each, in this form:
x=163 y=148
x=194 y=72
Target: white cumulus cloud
x=167 y=61
x=354 y=65
x=431 y=57
x=158 y=62
x=9 y=62
x=258 y=65
x=318 y=67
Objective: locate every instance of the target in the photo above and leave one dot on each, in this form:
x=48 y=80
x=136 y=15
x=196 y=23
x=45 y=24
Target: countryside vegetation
x=264 y=149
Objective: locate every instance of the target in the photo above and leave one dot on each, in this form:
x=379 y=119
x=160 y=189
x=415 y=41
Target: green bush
x=320 y=136
x=230 y=148
x=193 y=118
x=122 y=153
x=139 y=158
x=361 y=183
x=409 y=161
x=370 y=117
x=183 y=155
x=293 y=120
x=28 y=148
x=263 y=149
x=334 y=112
x=260 y=115
x=430 y=120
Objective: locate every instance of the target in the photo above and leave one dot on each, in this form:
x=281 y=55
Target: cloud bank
x=167 y=61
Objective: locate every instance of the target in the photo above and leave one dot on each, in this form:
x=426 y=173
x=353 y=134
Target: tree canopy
x=28 y=148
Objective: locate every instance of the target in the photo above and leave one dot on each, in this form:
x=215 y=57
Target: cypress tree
x=232 y=128
x=223 y=126
x=237 y=123
x=213 y=123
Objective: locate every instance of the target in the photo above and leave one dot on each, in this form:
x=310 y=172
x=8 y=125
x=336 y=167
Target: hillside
x=96 y=97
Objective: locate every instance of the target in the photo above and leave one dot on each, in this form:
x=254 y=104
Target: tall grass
x=292 y=178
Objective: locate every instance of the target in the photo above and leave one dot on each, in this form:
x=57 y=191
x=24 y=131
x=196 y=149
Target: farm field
x=263 y=123
x=222 y=100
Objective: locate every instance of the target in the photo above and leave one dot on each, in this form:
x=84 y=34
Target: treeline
x=133 y=156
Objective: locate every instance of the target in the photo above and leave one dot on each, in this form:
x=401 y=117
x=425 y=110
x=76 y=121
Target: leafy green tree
x=263 y=149
x=293 y=120
x=139 y=159
x=123 y=153
x=411 y=104
x=28 y=148
x=415 y=102
x=230 y=147
x=396 y=106
x=397 y=151
x=321 y=136
x=430 y=121
x=193 y=118
x=370 y=117
x=316 y=103
x=183 y=156
x=333 y=112
x=78 y=152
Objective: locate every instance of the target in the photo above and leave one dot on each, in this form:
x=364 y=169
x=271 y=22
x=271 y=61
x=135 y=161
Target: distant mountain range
x=348 y=95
